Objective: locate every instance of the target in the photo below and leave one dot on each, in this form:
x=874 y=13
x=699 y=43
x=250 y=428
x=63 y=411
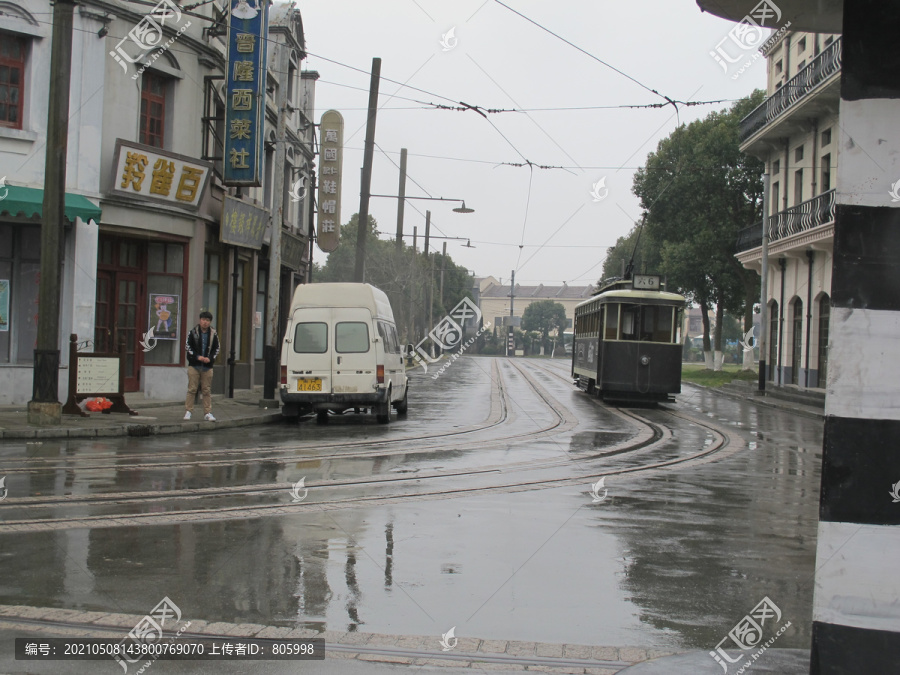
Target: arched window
x=797 y=341
x=773 y=339
x=824 y=317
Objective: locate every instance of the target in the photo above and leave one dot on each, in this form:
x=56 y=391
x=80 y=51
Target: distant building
x=795 y=132
x=494 y=300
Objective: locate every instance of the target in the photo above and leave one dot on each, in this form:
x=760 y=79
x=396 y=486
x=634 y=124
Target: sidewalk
x=154 y=417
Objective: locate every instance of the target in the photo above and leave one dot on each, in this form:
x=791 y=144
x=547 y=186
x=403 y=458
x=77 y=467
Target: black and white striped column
x=856 y=614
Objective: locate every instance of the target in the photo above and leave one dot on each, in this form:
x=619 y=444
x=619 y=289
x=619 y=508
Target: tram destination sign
x=645 y=282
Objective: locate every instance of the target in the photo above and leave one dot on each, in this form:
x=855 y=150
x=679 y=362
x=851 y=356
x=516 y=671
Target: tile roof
x=540 y=292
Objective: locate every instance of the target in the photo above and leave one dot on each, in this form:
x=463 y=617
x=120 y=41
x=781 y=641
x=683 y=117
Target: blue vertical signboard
x=245 y=92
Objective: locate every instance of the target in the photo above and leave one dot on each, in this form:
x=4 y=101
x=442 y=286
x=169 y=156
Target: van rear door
x=353 y=354
x=309 y=358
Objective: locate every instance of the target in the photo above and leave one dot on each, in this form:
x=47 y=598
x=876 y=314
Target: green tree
x=697 y=190
x=636 y=243
x=544 y=316
x=405 y=276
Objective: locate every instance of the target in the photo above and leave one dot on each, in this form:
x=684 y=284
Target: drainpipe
x=811 y=256
x=784 y=179
x=782 y=263
x=815 y=154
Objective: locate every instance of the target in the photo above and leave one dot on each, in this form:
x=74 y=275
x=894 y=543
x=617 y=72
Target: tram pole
x=764 y=286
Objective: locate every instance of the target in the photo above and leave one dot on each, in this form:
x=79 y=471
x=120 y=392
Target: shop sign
x=292 y=248
x=245 y=93
x=155 y=175
x=243 y=224
x=331 y=144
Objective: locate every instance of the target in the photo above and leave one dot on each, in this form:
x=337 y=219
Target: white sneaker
x=187 y=414
x=209 y=417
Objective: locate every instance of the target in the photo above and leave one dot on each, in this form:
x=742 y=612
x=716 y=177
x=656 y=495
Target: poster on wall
x=4 y=304
x=163 y=316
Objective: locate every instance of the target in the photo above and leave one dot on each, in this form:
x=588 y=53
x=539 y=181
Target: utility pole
x=272 y=352
x=427 y=230
x=401 y=201
x=363 y=225
x=443 y=258
x=764 y=286
x=511 y=330
x=412 y=289
x=44 y=407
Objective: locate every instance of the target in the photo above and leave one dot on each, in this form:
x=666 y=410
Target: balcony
x=797 y=89
x=805 y=216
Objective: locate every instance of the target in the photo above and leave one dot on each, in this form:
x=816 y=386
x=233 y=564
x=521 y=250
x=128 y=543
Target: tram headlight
x=645 y=360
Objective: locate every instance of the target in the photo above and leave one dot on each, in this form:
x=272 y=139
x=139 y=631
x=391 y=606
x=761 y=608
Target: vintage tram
x=627 y=344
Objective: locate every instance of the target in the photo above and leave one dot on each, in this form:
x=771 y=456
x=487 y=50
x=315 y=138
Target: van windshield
x=351 y=337
x=311 y=337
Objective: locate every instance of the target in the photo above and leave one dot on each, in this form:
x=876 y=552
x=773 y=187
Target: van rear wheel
x=403 y=405
x=321 y=417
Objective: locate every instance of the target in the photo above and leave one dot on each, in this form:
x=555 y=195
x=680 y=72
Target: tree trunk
x=720 y=319
x=707 y=346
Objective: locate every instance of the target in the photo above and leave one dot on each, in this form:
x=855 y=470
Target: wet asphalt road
x=475 y=512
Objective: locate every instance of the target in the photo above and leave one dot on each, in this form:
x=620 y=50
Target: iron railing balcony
x=805 y=216
x=818 y=71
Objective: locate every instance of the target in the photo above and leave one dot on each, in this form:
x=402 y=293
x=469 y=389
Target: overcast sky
x=498 y=60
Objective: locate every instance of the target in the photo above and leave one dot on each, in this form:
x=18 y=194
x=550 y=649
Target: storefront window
x=20 y=252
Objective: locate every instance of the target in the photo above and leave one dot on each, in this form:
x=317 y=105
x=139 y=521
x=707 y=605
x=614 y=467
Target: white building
x=144 y=190
x=795 y=132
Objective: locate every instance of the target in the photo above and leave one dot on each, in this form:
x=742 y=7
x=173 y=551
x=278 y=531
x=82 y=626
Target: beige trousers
x=203 y=380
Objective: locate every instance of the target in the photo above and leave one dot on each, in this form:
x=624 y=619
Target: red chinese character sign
x=331 y=143
x=245 y=93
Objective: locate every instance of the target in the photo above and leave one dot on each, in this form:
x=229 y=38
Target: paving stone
x=384 y=658
x=493 y=646
x=379 y=639
x=600 y=671
x=197 y=625
x=303 y=633
x=331 y=654
x=467 y=645
x=659 y=653
x=442 y=662
x=82 y=433
x=245 y=629
x=110 y=431
x=91 y=617
x=331 y=636
x=418 y=642
x=274 y=632
x=577 y=651
x=218 y=628
x=480 y=665
x=121 y=620
x=605 y=653
x=355 y=639
x=516 y=648
x=556 y=669
x=25 y=612
x=545 y=649
x=632 y=654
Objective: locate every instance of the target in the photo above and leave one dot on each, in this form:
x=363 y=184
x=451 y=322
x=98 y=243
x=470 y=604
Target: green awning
x=26 y=202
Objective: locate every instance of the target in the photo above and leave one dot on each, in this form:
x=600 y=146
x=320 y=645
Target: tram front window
x=647 y=323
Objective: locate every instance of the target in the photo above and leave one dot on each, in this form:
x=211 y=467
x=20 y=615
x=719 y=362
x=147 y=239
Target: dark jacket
x=193 y=344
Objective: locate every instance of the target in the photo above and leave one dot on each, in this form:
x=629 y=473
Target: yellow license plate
x=309 y=385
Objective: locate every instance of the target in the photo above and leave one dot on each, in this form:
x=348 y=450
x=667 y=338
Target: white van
x=341 y=351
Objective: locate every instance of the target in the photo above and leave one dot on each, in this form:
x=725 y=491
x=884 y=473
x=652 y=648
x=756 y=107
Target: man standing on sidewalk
x=202 y=347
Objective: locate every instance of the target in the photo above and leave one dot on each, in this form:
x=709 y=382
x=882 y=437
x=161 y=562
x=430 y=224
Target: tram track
x=649 y=435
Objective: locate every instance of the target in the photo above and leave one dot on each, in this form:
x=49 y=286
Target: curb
x=137 y=429
x=785 y=406
x=375 y=647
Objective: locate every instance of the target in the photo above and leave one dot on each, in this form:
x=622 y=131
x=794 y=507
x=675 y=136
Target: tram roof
x=639 y=297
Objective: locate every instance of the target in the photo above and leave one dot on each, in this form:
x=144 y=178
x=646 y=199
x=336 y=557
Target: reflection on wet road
x=476 y=512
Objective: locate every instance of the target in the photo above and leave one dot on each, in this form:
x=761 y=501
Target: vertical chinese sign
x=245 y=92
x=332 y=148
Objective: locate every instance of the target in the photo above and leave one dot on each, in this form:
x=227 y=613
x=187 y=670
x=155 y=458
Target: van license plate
x=309 y=385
